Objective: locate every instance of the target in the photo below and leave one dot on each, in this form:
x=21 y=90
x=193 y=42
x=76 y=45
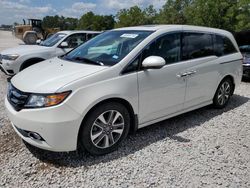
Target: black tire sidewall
x=84 y=135
x=215 y=99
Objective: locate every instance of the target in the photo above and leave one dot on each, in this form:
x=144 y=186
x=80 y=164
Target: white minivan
x=119 y=81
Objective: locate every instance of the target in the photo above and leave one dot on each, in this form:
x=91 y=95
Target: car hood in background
x=25 y=49
x=50 y=75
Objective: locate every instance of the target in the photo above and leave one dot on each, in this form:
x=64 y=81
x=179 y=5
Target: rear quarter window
x=223 y=46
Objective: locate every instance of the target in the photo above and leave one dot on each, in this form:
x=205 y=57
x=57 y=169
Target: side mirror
x=64 y=45
x=153 y=62
x=38 y=41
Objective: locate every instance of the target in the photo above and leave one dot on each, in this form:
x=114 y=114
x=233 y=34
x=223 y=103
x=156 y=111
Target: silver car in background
x=14 y=60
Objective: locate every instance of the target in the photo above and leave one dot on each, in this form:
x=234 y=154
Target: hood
x=24 y=49
x=50 y=75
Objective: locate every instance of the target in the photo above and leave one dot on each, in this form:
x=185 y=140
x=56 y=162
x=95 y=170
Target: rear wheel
x=223 y=93
x=105 y=128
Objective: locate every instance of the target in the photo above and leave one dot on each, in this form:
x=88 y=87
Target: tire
x=223 y=93
x=99 y=134
x=30 y=38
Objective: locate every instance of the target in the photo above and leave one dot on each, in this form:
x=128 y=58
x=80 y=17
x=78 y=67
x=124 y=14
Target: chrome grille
x=16 y=97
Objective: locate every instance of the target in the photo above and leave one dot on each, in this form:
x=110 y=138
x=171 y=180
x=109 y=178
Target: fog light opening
x=34 y=136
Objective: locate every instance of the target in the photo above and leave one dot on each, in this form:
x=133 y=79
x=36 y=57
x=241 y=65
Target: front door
x=162 y=91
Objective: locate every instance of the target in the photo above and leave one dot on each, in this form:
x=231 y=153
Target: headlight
x=43 y=100
x=11 y=57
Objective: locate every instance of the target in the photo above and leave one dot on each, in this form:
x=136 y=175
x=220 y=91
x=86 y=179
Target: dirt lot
x=7 y=40
x=203 y=148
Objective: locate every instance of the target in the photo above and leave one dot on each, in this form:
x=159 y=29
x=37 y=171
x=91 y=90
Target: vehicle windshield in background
x=51 y=41
x=108 y=48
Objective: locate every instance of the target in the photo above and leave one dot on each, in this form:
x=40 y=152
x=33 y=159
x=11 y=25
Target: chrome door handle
x=188 y=73
x=191 y=72
x=181 y=75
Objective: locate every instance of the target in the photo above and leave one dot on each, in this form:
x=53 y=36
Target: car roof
x=177 y=27
x=67 y=32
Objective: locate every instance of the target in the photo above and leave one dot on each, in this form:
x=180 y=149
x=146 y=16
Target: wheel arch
x=228 y=76
x=30 y=61
x=133 y=116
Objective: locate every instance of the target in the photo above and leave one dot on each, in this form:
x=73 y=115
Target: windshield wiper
x=88 y=61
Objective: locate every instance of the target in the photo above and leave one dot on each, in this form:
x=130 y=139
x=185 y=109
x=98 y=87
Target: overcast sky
x=15 y=10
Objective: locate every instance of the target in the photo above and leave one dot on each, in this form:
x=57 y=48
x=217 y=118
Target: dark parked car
x=245 y=50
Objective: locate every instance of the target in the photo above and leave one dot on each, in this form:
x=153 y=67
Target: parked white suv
x=16 y=59
x=122 y=80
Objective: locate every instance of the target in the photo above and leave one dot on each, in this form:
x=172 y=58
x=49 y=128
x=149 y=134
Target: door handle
x=191 y=72
x=188 y=73
x=181 y=75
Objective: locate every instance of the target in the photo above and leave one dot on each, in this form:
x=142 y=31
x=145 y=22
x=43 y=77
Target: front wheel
x=105 y=128
x=30 y=38
x=223 y=93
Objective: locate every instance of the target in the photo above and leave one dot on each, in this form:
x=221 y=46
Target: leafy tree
x=86 y=21
x=243 y=16
x=51 y=21
x=70 y=23
x=219 y=14
x=173 y=12
x=90 y=21
x=232 y=15
x=130 y=17
x=107 y=22
x=150 y=15
x=61 y=22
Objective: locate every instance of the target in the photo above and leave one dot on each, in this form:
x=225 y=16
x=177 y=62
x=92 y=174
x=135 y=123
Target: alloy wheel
x=107 y=129
x=224 y=93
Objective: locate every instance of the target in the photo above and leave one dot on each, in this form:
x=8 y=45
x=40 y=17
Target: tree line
x=232 y=15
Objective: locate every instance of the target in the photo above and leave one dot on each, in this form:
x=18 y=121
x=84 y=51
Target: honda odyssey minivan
x=120 y=81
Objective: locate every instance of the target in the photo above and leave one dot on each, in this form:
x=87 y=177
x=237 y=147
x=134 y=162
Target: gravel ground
x=202 y=148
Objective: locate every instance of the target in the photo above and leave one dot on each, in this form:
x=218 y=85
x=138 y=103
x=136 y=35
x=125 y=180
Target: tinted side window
x=223 y=46
x=196 y=45
x=132 y=67
x=75 y=40
x=167 y=47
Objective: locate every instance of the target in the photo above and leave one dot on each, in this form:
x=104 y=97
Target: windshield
x=51 y=41
x=108 y=48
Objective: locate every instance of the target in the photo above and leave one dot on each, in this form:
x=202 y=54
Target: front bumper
x=8 y=70
x=58 y=126
x=3 y=70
